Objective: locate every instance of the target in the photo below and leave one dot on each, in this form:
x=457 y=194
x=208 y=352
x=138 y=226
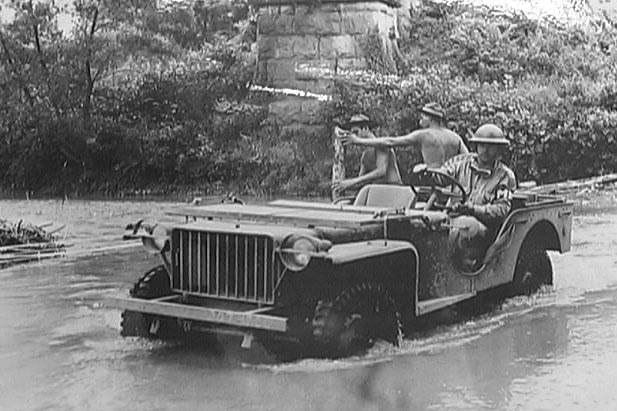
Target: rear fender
x=550 y=225
x=545 y=228
x=545 y=234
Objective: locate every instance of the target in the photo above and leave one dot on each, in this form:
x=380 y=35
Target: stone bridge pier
x=302 y=44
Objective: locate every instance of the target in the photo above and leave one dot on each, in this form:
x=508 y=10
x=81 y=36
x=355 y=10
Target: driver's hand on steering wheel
x=464 y=208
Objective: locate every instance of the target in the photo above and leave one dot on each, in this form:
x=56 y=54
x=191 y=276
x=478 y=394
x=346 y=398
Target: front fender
x=346 y=253
x=389 y=262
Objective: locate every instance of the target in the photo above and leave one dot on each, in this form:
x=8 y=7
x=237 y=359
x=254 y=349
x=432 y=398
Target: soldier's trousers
x=469 y=237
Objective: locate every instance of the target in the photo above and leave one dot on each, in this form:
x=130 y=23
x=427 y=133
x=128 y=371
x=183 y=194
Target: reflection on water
x=60 y=349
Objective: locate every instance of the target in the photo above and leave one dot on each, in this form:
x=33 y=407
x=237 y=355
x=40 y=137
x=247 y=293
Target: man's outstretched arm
x=410 y=139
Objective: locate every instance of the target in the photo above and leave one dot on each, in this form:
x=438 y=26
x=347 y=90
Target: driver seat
x=385 y=195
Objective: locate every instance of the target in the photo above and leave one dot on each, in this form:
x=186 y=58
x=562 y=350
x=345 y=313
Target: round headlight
x=296 y=252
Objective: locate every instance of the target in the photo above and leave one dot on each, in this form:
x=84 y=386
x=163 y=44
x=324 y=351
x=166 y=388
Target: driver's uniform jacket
x=490 y=191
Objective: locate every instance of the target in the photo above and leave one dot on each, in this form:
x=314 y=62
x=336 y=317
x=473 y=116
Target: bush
x=551 y=88
x=186 y=120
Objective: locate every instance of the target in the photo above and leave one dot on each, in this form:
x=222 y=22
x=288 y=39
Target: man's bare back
x=438 y=145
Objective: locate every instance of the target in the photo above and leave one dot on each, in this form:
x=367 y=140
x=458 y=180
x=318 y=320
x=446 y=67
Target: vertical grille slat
x=191 y=267
x=235 y=266
x=199 y=263
x=265 y=276
x=227 y=257
x=182 y=262
x=255 y=265
x=236 y=274
x=217 y=270
x=208 y=254
x=246 y=268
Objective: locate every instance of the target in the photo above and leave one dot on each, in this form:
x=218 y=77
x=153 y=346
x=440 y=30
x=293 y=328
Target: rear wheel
x=533 y=270
x=355 y=320
x=154 y=284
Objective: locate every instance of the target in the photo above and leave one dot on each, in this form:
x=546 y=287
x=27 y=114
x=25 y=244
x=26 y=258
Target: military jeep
x=331 y=279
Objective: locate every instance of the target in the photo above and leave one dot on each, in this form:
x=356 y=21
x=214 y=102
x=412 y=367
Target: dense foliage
x=551 y=88
x=132 y=99
x=139 y=99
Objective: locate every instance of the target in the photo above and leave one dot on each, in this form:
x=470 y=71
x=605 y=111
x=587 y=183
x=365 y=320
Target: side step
x=436 y=304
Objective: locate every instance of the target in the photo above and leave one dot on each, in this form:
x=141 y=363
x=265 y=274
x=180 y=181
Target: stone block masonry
x=316 y=33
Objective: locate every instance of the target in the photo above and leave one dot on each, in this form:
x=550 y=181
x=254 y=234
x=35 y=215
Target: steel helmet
x=489 y=134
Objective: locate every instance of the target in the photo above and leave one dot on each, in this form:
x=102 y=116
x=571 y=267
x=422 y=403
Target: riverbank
x=184 y=122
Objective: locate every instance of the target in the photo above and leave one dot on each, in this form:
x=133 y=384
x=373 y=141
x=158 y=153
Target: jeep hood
x=281 y=218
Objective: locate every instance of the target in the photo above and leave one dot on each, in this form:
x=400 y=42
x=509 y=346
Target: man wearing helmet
x=377 y=165
x=489 y=184
x=436 y=142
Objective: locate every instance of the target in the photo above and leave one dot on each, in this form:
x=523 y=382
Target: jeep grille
x=226 y=265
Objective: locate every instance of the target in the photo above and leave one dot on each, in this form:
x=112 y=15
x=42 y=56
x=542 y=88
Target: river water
x=60 y=347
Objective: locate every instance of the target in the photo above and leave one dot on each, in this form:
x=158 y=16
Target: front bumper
x=253 y=318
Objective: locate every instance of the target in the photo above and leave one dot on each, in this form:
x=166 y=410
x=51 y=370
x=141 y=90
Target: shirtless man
x=436 y=143
x=377 y=165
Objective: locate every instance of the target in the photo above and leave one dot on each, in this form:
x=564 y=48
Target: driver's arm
x=497 y=210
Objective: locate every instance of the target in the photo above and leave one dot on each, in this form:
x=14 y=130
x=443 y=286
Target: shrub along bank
x=167 y=115
x=552 y=88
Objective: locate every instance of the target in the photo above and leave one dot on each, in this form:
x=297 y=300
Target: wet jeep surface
x=331 y=279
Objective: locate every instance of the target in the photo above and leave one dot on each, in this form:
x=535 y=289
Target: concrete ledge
x=265 y=3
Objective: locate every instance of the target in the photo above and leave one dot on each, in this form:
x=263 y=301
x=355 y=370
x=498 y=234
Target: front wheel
x=153 y=284
x=533 y=270
x=355 y=320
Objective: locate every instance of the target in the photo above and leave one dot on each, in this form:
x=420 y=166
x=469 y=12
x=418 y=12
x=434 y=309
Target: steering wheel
x=436 y=190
